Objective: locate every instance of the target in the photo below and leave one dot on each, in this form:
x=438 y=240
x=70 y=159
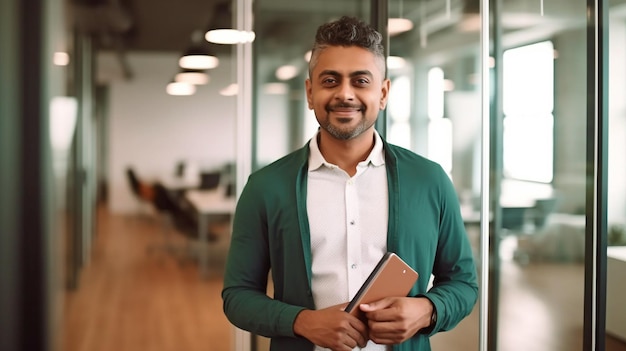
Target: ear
x=384 y=93
x=309 y=94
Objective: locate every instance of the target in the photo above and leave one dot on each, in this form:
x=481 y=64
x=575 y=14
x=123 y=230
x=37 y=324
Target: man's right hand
x=332 y=328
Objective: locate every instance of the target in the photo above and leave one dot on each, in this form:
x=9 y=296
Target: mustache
x=344 y=105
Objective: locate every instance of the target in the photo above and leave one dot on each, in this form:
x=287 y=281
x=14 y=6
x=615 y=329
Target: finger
x=356 y=338
x=380 y=316
x=361 y=335
x=376 y=305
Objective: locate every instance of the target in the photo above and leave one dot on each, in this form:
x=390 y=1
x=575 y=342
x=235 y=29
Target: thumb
x=376 y=305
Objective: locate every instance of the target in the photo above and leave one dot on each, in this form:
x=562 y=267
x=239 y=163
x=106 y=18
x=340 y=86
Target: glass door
x=541 y=156
x=615 y=76
x=510 y=98
x=435 y=110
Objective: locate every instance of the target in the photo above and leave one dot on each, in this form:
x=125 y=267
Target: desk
x=207 y=203
x=615 y=288
x=562 y=239
x=174 y=183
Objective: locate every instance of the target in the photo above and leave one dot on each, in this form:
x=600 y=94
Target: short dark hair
x=348 y=31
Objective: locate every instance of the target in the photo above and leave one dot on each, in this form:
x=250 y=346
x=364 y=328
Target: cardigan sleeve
x=245 y=300
x=455 y=288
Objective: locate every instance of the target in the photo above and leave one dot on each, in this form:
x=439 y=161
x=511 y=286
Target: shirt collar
x=316 y=160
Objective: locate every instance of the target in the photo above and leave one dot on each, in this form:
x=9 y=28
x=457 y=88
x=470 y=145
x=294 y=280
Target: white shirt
x=348 y=222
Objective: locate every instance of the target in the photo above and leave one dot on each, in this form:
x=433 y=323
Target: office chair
x=143 y=192
x=513 y=218
x=210 y=180
x=536 y=217
x=540 y=212
x=172 y=217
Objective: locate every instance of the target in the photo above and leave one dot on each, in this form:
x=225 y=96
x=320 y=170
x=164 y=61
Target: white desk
x=179 y=183
x=615 y=289
x=207 y=203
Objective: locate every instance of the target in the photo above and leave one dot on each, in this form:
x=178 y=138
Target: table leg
x=203 y=236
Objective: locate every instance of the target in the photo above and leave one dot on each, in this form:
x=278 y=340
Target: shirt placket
x=353 y=237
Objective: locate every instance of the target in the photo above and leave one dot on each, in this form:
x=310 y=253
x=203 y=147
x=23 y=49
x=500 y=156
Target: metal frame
x=597 y=167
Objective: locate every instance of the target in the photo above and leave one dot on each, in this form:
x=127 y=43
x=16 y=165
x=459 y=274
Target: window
x=439 y=128
x=399 y=108
x=528 y=103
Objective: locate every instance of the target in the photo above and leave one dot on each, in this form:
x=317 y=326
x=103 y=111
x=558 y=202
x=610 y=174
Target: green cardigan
x=271 y=231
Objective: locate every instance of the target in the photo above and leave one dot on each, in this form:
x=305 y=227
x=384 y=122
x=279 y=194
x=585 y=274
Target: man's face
x=346 y=91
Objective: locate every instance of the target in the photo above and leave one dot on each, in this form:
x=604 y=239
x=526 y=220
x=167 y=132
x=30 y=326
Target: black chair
x=209 y=180
x=173 y=218
x=142 y=193
x=133 y=181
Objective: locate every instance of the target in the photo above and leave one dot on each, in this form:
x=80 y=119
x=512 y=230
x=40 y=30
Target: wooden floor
x=130 y=299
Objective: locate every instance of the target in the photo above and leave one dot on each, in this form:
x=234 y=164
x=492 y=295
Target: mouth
x=345 y=109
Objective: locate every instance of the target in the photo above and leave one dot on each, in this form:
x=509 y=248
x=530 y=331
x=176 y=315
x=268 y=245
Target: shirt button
x=353 y=266
x=352 y=222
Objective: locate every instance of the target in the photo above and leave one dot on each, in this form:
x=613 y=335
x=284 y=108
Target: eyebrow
x=352 y=74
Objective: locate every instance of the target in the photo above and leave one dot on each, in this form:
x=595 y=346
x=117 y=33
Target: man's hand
x=332 y=328
x=393 y=320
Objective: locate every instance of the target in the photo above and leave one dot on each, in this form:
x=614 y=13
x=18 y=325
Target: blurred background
x=129 y=127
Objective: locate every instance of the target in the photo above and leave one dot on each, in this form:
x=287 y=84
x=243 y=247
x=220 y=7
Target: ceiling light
x=230 y=90
x=61 y=58
x=221 y=30
x=229 y=36
x=399 y=25
x=198 y=61
x=275 y=88
x=198 y=55
x=180 y=88
x=195 y=77
x=286 y=72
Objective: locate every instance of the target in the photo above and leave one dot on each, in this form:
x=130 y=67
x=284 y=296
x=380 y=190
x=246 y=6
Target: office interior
x=519 y=100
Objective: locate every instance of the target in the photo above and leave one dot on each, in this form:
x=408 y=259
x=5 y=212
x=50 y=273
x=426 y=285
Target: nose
x=345 y=91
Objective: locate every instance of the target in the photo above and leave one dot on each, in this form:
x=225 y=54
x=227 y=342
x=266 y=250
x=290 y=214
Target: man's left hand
x=393 y=320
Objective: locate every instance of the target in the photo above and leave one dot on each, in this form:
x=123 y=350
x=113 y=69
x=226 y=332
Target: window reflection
x=399 y=111
x=528 y=102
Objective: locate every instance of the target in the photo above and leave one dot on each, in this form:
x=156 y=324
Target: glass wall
x=285 y=34
x=438 y=85
x=543 y=190
x=555 y=196
x=616 y=170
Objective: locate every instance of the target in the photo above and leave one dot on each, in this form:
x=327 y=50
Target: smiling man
x=321 y=217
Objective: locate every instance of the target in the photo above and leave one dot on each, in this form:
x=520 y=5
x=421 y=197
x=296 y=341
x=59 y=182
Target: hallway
x=130 y=299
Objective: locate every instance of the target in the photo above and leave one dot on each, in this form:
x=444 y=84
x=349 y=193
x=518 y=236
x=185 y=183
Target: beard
x=346 y=133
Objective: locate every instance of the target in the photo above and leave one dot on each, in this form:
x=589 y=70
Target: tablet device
x=391 y=277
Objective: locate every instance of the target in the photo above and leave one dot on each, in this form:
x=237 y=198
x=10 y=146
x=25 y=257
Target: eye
x=329 y=81
x=361 y=81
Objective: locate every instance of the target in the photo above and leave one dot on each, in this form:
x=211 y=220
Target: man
x=321 y=217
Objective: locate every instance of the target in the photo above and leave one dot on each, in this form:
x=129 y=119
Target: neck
x=346 y=154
